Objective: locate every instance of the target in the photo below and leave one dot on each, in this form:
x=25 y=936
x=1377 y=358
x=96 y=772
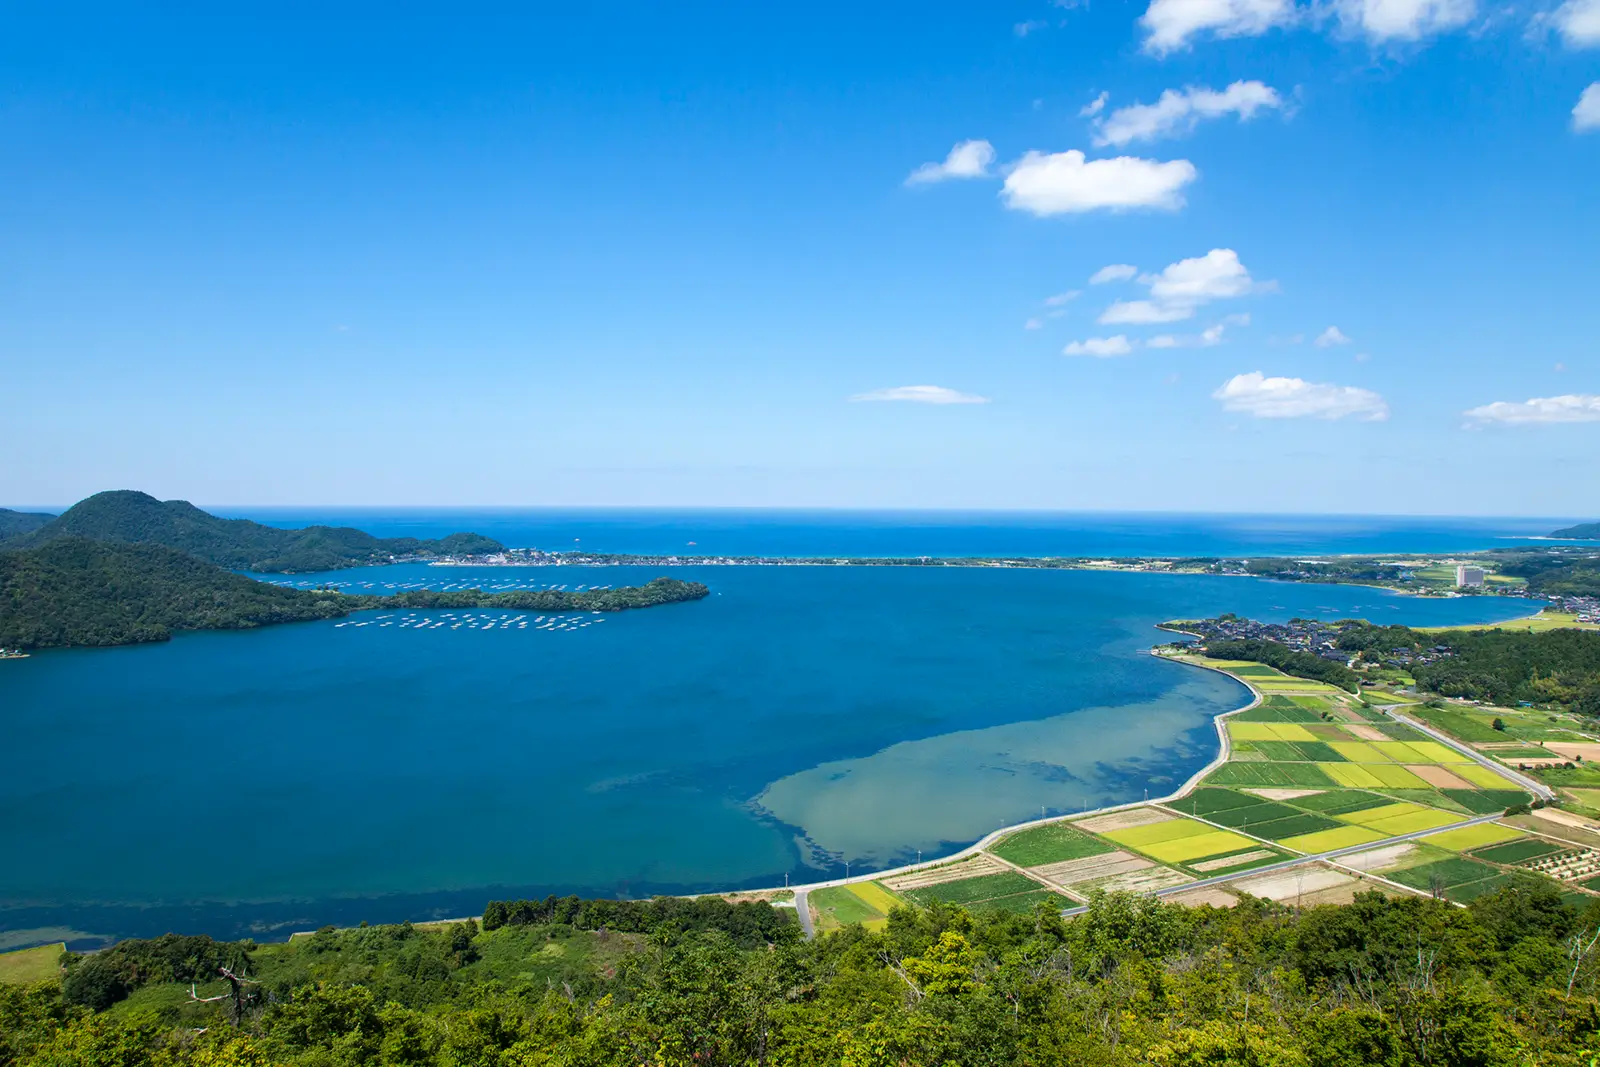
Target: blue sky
x=708 y=256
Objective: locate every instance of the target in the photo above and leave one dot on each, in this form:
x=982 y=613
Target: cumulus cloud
x=969 y=159
x=1099 y=347
x=1179 y=111
x=1062 y=183
x=1116 y=272
x=1579 y=23
x=1539 y=410
x=1330 y=337
x=920 y=394
x=1171 y=24
x=1586 y=116
x=1295 y=398
x=1403 y=20
x=1183 y=286
x=1095 y=106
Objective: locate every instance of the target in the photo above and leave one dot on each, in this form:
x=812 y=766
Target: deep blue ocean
x=393 y=767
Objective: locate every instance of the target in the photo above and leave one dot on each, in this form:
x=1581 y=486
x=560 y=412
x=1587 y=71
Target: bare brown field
x=1224 y=862
x=1292 y=884
x=955 y=872
x=1123 y=820
x=1271 y=793
x=1379 y=859
x=1089 y=868
x=1366 y=733
x=1437 y=776
x=1575 y=749
x=1194 y=898
x=1145 y=881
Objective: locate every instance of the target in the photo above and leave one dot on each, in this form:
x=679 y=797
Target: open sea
x=414 y=765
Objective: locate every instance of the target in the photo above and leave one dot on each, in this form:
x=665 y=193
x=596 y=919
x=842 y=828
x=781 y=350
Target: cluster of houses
x=1306 y=635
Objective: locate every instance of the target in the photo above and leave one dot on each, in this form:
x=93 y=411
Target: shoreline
x=1225 y=748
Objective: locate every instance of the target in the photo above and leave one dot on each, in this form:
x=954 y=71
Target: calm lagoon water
x=800 y=717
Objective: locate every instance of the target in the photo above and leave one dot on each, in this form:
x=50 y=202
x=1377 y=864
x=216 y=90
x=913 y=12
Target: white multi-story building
x=1469 y=577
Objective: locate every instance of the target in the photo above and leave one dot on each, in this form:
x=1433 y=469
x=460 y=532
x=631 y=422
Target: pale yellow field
x=1328 y=840
x=1269 y=731
x=1490 y=833
x=1482 y=776
x=1188 y=848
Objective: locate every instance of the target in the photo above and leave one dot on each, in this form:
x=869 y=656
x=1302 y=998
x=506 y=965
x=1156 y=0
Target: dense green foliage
x=1563 y=572
x=77 y=592
x=1587 y=531
x=103 y=979
x=747 y=923
x=72 y=591
x=1502 y=666
x=1409 y=982
x=238 y=544
x=1288 y=660
x=14 y=523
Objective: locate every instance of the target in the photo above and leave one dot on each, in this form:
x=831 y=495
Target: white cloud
x=1579 y=22
x=1116 y=272
x=1330 y=337
x=969 y=159
x=1183 y=286
x=1099 y=347
x=1586 y=116
x=1178 y=112
x=1095 y=106
x=1022 y=29
x=1062 y=298
x=1295 y=398
x=1063 y=183
x=1169 y=24
x=1539 y=410
x=1404 y=20
x=1209 y=337
x=1214 y=276
x=1143 y=313
x=921 y=394
x=1033 y=324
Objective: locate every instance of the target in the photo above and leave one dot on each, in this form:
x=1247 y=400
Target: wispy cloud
x=1295 y=398
x=920 y=394
x=1099 y=347
x=1586 y=115
x=1062 y=298
x=1095 y=106
x=1115 y=272
x=1177 y=112
x=1544 y=410
x=1170 y=25
x=969 y=159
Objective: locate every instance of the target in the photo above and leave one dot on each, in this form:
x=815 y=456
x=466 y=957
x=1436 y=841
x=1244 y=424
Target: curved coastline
x=1224 y=750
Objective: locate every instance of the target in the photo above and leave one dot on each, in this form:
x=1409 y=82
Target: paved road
x=1537 y=788
x=1302 y=860
x=802 y=908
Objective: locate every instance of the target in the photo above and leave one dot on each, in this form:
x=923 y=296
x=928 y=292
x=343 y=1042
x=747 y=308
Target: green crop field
x=840 y=905
x=1282 y=775
x=1451 y=872
x=1318 y=752
x=1261 y=811
x=972 y=890
x=1457 y=724
x=25 y=965
x=1340 y=801
x=1282 y=751
x=1051 y=843
x=1484 y=801
x=1207 y=802
x=1471 y=891
x=1022 y=903
x=1296 y=825
x=1518 y=851
x=1399 y=731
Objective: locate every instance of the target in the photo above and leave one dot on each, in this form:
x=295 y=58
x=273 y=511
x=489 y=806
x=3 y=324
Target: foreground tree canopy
x=1408 y=982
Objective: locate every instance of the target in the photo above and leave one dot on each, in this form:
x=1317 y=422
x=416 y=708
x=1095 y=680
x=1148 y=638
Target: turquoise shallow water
x=798 y=718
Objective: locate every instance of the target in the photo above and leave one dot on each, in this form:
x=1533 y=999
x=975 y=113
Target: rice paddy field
x=1311 y=772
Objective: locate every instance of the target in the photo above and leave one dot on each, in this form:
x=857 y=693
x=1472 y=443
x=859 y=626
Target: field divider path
x=1041 y=879
x=1538 y=789
x=1328 y=856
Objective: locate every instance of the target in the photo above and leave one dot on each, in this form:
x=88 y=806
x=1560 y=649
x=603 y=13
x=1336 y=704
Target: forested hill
x=73 y=591
x=1588 y=531
x=238 y=544
x=13 y=523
